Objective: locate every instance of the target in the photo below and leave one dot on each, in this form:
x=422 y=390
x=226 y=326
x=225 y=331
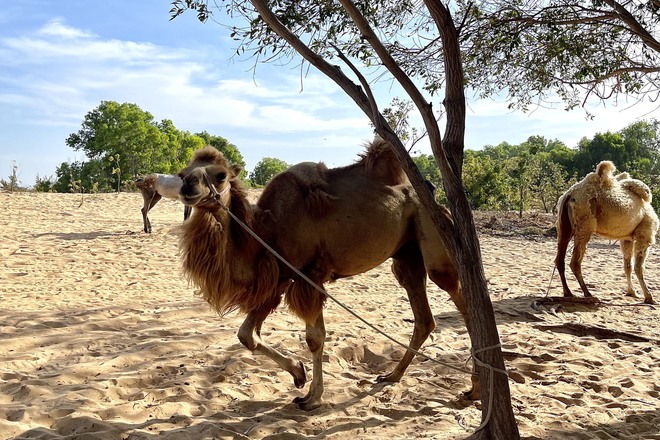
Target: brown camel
x=615 y=207
x=329 y=224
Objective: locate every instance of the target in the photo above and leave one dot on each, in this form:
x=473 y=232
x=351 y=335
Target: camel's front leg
x=641 y=252
x=627 y=251
x=250 y=335
x=315 y=337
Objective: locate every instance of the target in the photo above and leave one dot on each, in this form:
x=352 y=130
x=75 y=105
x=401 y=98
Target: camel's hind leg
x=641 y=252
x=150 y=198
x=315 y=337
x=250 y=336
x=579 y=249
x=408 y=268
x=564 y=235
x=627 y=251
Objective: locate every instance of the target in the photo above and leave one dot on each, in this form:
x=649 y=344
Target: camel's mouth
x=191 y=199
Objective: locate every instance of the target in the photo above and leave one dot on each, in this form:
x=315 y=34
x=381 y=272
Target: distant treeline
x=535 y=173
x=122 y=142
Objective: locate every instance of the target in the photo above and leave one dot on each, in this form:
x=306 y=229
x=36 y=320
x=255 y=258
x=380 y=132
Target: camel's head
x=204 y=156
x=206 y=186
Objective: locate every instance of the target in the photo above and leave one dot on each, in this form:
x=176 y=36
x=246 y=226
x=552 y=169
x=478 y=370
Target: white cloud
x=56 y=28
x=53 y=77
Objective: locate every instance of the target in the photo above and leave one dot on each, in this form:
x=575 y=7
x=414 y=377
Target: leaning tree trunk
x=483 y=328
x=461 y=236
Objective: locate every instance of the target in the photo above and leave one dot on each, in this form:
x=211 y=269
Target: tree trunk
x=483 y=329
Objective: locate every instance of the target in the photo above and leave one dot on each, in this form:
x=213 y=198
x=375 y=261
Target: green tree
x=44 y=184
x=89 y=176
x=122 y=142
x=229 y=150
x=486 y=181
x=114 y=129
x=430 y=171
x=266 y=169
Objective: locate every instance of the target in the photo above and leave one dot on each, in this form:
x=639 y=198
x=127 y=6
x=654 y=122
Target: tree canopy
x=122 y=142
x=265 y=169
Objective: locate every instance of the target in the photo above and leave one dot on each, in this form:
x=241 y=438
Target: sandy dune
x=101 y=337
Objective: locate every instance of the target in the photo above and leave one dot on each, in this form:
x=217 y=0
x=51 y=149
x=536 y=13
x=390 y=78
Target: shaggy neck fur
x=230 y=268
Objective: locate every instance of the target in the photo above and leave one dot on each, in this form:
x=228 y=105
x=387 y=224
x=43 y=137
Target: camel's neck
x=228 y=265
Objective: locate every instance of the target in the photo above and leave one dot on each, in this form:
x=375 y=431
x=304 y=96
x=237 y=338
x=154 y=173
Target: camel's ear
x=236 y=169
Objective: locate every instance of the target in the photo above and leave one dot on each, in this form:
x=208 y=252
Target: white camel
x=615 y=207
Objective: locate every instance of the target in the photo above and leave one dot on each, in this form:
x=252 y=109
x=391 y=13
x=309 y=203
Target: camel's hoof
x=387 y=378
x=300 y=377
x=649 y=301
x=471 y=394
x=306 y=403
x=568 y=294
x=632 y=293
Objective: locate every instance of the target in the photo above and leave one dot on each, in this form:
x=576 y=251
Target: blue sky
x=59 y=60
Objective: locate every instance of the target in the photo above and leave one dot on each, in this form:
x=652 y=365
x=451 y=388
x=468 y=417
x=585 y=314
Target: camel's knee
x=246 y=335
x=315 y=337
x=627 y=266
x=315 y=342
x=575 y=265
x=445 y=278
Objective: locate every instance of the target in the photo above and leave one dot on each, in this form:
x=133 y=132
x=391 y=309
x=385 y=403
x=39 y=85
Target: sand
x=101 y=337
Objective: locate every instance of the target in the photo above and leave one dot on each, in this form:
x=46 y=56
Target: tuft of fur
x=605 y=169
x=639 y=188
x=381 y=163
x=145 y=182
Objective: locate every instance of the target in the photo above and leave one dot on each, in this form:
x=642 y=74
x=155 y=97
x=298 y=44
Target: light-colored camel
x=156 y=186
x=614 y=207
x=329 y=224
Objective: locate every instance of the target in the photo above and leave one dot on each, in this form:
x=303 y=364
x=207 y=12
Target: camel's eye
x=192 y=180
x=220 y=176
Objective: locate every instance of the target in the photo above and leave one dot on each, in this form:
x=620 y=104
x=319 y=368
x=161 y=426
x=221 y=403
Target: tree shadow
x=80 y=235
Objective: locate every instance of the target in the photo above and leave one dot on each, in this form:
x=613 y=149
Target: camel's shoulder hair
x=381 y=163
